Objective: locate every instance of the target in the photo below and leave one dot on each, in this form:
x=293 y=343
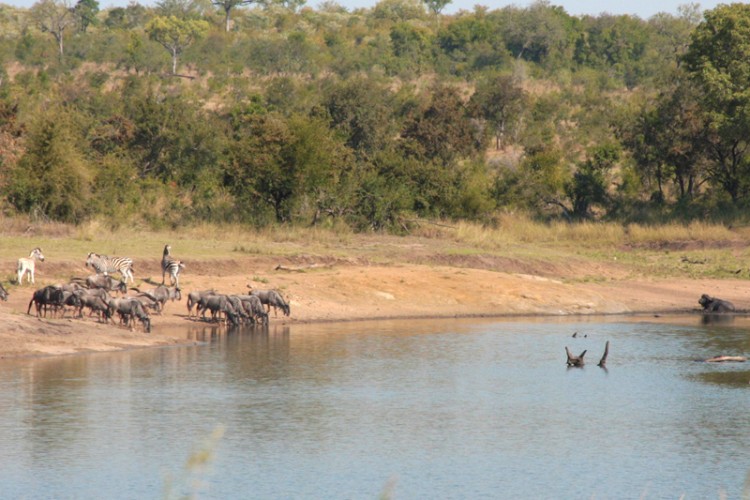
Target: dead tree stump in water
x=603 y=361
x=574 y=360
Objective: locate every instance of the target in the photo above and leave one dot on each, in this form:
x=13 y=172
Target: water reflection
x=727 y=378
x=717 y=319
x=453 y=409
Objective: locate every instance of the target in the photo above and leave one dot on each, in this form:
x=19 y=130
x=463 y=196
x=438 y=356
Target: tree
x=361 y=110
x=589 y=183
x=85 y=13
x=175 y=34
x=442 y=129
x=411 y=46
x=668 y=141
x=54 y=17
x=436 y=6
x=500 y=102
x=536 y=33
x=227 y=6
x=52 y=177
x=126 y=18
x=718 y=61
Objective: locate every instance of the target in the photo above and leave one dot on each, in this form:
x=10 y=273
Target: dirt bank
x=331 y=290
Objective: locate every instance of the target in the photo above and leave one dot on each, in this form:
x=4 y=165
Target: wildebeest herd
x=105 y=297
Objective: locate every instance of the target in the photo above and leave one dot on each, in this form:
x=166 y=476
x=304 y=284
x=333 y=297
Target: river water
x=397 y=409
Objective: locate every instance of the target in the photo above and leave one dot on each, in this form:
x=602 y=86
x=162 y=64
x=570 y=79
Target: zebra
x=104 y=264
x=172 y=266
x=26 y=265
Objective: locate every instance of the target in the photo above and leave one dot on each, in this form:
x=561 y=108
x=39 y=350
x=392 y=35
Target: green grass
x=696 y=250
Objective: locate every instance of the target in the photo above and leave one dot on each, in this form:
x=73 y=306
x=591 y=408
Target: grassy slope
x=586 y=252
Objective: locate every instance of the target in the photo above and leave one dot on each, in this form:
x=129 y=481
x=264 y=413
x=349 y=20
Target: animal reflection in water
x=218 y=333
x=715 y=309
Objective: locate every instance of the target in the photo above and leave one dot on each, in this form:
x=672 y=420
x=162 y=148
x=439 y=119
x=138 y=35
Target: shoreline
x=358 y=293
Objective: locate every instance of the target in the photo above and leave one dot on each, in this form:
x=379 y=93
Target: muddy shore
x=348 y=291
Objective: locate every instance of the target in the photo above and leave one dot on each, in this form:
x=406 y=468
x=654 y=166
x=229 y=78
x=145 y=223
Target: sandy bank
x=342 y=292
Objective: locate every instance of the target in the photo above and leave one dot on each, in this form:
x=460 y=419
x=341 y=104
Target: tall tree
x=443 y=129
x=361 y=110
x=54 y=17
x=718 y=60
x=175 y=34
x=227 y=6
x=436 y=7
x=500 y=102
x=668 y=141
x=52 y=178
x=85 y=13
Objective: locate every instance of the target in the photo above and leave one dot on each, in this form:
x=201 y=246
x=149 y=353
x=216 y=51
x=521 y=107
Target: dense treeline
x=261 y=113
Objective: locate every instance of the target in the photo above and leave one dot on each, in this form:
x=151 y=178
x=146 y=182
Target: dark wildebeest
x=95 y=302
x=271 y=298
x=194 y=297
x=254 y=308
x=50 y=295
x=714 y=305
x=218 y=303
x=130 y=309
x=72 y=300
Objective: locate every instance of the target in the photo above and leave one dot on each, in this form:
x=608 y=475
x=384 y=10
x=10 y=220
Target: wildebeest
x=271 y=298
x=70 y=299
x=254 y=308
x=48 y=296
x=161 y=294
x=96 y=301
x=130 y=309
x=715 y=305
x=218 y=303
x=194 y=297
x=107 y=283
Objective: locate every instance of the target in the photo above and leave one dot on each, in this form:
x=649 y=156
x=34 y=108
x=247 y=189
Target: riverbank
x=336 y=289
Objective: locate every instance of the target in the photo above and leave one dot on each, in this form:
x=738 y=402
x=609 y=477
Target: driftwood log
x=300 y=269
x=574 y=360
x=726 y=359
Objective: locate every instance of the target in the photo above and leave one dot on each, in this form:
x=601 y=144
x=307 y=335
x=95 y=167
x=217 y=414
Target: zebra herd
x=105 y=296
x=106 y=265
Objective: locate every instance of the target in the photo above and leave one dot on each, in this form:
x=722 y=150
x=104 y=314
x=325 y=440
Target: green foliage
x=175 y=33
x=51 y=178
x=500 y=102
x=589 y=183
x=85 y=12
x=717 y=59
x=361 y=110
x=442 y=129
x=371 y=117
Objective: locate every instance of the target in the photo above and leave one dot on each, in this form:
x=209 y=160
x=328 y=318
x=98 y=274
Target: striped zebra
x=26 y=265
x=172 y=266
x=104 y=264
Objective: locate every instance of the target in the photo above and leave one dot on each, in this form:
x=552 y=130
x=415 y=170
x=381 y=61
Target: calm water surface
x=411 y=409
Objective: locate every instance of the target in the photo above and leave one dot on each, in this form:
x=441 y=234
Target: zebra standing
x=103 y=264
x=26 y=265
x=172 y=266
